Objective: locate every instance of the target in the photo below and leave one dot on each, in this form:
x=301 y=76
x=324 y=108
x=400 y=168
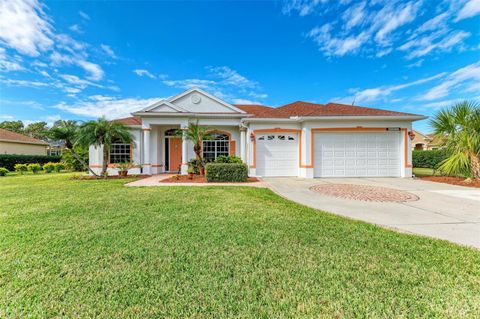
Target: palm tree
x=67 y=131
x=103 y=133
x=458 y=128
x=196 y=134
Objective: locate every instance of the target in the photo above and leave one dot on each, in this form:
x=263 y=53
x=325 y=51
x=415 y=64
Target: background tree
x=37 y=130
x=103 y=133
x=458 y=128
x=14 y=126
x=67 y=131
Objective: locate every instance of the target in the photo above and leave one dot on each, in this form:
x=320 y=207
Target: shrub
x=228 y=159
x=3 y=171
x=21 y=168
x=71 y=162
x=196 y=164
x=58 y=167
x=226 y=172
x=34 y=168
x=9 y=160
x=49 y=167
x=428 y=159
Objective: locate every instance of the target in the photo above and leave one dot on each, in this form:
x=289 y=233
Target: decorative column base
x=184 y=169
x=147 y=169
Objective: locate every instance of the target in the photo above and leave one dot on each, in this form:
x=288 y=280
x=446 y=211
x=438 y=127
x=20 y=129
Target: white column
x=184 y=167
x=243 y=134
x=146 y=151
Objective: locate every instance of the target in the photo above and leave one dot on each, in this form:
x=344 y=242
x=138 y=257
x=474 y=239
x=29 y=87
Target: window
x=270 y=137
x=217 y=146
x=261 y=138
x=291 y=138
x=281 y=137
x=120 y=152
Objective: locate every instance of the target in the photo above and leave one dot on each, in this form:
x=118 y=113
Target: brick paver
x=364 y=193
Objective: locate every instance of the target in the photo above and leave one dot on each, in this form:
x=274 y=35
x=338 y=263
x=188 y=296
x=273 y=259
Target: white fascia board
x=378 y=117
x=269 y=119
x=198 y=90
x=200 y=115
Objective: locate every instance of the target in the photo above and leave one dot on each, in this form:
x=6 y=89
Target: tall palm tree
x=67 y=131
x=103 y=133
x=458 y=128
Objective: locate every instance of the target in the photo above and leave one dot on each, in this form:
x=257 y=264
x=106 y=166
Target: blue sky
x=81 y=60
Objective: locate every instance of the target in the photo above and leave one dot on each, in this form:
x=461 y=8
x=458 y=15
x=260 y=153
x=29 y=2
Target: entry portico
x=298 y=139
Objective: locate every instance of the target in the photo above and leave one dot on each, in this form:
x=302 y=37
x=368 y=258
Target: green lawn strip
x=97 y=249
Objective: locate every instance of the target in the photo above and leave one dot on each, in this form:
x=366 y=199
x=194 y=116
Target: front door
x=175 y=154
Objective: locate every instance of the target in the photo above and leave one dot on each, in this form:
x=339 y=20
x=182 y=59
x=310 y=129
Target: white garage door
x=359 y=154
x=277 y=154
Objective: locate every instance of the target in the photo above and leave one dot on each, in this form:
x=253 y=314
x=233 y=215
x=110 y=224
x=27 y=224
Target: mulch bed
x=196 y=179
x=92 y=177
x=451 y=180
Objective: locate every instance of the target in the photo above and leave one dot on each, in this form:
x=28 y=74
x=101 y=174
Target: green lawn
x=71 y=248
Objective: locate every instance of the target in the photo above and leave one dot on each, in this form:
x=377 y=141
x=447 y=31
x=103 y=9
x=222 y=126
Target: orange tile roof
x=129 y=121
x=6 y=135
x=301 y=108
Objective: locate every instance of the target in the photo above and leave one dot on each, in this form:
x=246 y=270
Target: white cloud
x=6 y=117
x=354 y=15
x=230 y=77
x=336 y=46
x=25 y=83
x=189 y=83
x=110 y=107
x=390 y=18
x=8 y=63
x=25 y=27
x=422 y=46
x=95 y=71
x=143 y=72
x=84 y=15
x=471 y=8
x=108 y=51
x=466 y=77
x=374 y=94
x=75 y=28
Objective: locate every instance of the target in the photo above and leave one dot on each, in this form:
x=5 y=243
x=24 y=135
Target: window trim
x=130 y=153
x=228 y=140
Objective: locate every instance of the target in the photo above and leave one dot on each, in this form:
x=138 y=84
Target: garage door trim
x=276 y=130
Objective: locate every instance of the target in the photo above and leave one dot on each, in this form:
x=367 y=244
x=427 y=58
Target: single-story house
x=425 y=142
x=298 y=139
x=15 y=143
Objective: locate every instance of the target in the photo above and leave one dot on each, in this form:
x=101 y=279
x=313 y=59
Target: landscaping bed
x=198 y=179
x=451 y=180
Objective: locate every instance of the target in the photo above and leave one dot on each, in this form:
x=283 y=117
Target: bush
x=21 y=168
x=195 y=164
x=49 y=167
x=71 y=162
x=226 y=172
x=9 y=160
x=228 y=159
x=58 y=167
x=34 y=168
x=3 y=171
x=428 y=159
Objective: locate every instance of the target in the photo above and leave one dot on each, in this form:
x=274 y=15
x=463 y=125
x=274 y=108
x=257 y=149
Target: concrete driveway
x=443 y=211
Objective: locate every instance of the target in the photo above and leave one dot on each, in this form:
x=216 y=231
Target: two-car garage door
x=358 y=154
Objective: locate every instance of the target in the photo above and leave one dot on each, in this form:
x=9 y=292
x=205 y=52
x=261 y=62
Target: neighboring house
x=424 y=142
x=55 y=148
x=15 y=143
x=298 y=139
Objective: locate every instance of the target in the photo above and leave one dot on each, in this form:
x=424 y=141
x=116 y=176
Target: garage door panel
x=351 y=154
x=277 y=154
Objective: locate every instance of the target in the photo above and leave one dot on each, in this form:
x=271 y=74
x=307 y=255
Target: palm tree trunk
x=78 y=158
x=475 y=166
x=105 y=161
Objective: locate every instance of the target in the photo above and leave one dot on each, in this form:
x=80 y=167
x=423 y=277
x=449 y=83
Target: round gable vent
x=196 y=98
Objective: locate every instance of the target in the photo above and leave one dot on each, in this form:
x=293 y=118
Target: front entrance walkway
x=442 y=211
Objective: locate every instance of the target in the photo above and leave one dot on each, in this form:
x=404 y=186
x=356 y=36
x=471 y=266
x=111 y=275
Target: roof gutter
x=364 y=117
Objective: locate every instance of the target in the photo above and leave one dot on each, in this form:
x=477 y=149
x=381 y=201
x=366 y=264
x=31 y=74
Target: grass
x=419 y=171
x=71 y=248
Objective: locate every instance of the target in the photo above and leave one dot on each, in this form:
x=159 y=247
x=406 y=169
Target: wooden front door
x=175 y=154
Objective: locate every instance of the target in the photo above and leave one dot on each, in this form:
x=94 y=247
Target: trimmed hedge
x=428 y=159
x=9 y=160
x=226 y=172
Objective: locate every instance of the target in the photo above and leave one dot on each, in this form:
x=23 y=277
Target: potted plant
x=123 y=168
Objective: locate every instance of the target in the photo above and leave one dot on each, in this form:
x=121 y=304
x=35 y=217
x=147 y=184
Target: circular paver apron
x=364 y=193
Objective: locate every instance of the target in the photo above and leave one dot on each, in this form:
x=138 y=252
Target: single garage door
x=357 y=154
x=277 y=154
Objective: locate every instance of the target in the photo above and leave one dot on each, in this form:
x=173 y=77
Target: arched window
x=216 y=146
x=120 y=152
